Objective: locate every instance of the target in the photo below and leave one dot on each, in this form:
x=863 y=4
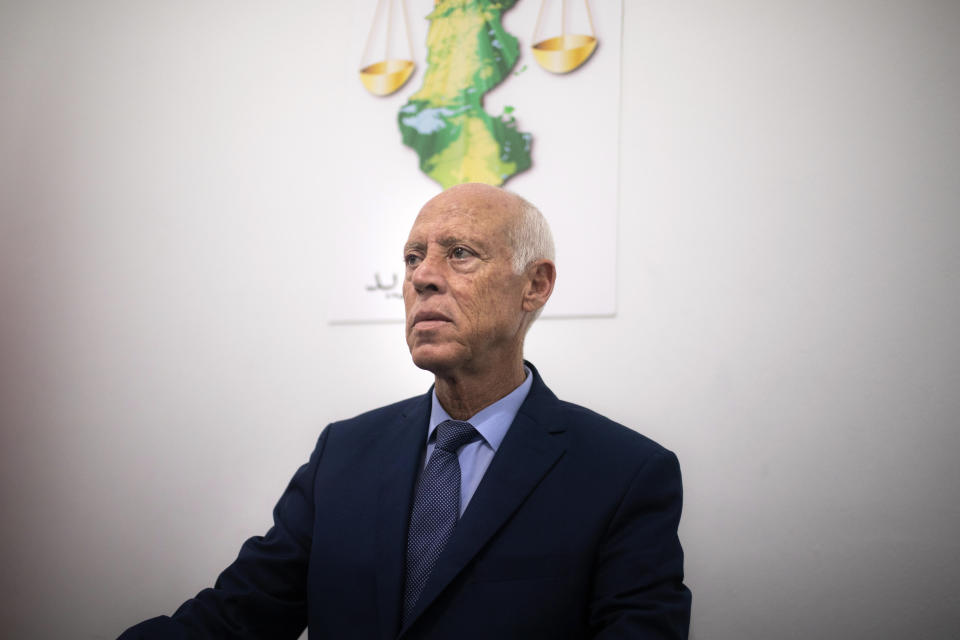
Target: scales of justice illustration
x=385 y=75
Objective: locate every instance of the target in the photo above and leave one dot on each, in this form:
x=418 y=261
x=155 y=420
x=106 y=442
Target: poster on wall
x=523 y=94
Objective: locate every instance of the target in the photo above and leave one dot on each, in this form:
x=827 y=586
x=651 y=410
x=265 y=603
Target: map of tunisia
x=468 y=53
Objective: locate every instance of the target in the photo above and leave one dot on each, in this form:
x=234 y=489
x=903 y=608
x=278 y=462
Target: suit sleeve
x=638 y=590
x=263 y=593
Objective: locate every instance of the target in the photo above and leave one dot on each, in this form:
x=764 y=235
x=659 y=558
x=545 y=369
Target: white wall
x=788 y=301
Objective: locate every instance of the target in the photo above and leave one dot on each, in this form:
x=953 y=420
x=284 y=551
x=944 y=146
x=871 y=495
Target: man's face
x=463 y=300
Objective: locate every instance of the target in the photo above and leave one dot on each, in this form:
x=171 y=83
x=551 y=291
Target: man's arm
x=638 y=589
x=263 y=593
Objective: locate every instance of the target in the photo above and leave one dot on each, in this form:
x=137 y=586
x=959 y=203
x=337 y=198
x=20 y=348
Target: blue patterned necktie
x=436 y=508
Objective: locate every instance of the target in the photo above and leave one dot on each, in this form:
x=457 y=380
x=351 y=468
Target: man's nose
x=428 y=275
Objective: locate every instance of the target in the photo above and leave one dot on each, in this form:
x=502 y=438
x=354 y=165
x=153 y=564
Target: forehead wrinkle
x=443 y=222
x=449 y=241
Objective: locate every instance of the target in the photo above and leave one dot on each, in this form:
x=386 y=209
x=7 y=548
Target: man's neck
x=462 y=395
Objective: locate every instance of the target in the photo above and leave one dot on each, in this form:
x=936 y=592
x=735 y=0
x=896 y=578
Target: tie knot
x=453 y=434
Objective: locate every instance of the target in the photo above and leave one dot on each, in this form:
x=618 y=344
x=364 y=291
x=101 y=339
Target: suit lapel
x=401 y=450
x=530 y=449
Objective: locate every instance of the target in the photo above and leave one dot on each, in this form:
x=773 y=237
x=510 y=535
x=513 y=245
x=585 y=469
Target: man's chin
x=434 y=359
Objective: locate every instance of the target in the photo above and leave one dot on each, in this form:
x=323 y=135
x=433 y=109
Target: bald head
x=477 y=197
x=526 y=230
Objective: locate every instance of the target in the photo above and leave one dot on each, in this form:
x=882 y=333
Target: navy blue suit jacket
x=572 y=533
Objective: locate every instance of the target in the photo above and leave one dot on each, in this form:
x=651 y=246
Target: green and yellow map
x=468 y=54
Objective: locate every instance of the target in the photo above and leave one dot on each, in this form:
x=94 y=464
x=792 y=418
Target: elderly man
x=487 y=508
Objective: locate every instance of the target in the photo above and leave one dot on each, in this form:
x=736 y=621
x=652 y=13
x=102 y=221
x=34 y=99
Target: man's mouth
x=429 y=319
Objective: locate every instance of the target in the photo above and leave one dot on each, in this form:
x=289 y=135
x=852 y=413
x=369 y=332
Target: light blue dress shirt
x=492 y=423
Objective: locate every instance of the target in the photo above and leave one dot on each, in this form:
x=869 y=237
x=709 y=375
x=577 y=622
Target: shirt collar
x=491 y=422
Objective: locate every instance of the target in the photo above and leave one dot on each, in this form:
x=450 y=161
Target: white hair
x=530 y=240
x=530 y=237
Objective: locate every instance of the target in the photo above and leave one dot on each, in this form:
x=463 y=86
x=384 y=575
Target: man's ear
x=540 y=275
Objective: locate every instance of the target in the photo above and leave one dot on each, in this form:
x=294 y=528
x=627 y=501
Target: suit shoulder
x=378 y=415
x=600 y=431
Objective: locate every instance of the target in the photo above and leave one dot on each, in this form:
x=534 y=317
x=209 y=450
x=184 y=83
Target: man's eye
x=459 y=253
x=411 y=259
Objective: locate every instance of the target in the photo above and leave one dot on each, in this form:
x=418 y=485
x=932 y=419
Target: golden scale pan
x=566 y=52
x=557 y=54
x=385 y=76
